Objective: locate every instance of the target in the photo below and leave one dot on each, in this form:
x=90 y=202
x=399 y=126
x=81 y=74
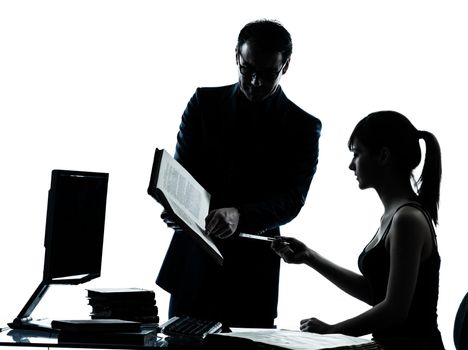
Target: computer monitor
x=75 y=226
x=74 y=235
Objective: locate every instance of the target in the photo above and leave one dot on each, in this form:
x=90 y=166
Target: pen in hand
x=261 y=238
x=282 y=247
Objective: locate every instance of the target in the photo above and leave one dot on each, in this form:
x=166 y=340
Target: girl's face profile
x=363 y=164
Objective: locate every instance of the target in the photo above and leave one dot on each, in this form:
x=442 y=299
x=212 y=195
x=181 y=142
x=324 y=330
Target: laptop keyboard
x=189 y=326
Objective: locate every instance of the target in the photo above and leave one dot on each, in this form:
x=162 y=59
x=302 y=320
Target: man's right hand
x=169 y=220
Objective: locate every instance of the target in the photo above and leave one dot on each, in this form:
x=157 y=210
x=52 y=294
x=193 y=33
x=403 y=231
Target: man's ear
x=286 y=66
x=237 y=55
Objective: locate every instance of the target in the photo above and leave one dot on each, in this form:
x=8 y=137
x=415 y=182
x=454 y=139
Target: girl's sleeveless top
x=419 y=330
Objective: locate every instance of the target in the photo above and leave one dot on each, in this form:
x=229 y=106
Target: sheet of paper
x=191 y=199
x=297 y=340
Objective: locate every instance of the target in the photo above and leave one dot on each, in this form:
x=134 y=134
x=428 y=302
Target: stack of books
x=132 y=304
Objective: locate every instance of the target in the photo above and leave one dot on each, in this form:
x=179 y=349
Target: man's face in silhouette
x=259 y=71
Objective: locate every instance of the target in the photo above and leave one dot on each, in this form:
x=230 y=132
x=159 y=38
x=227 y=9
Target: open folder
x=183 y=197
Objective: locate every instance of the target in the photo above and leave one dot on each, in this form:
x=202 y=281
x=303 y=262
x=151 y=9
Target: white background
x=97 y=85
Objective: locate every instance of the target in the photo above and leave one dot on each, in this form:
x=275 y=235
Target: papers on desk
x=297 y=340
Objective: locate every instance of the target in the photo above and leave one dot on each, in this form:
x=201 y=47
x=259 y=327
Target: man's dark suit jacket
x=259 y=158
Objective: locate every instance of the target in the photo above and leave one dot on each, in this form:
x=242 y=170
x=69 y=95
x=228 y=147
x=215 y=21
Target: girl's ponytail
x=429 y=181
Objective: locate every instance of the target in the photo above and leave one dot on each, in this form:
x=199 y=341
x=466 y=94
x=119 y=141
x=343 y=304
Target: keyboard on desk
x=189 y=326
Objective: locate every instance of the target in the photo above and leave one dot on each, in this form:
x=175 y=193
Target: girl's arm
x=409 y=240
x=295 y=252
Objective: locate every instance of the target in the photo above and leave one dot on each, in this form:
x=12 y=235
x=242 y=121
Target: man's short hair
x=268 y=35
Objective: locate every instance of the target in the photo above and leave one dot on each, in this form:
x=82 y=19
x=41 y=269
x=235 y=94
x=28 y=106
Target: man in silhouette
x=255 y=152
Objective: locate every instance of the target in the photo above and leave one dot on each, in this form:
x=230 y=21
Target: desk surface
x=246 y=339
x=43 y=339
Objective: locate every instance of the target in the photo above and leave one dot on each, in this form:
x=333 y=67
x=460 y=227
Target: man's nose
x=255 y=80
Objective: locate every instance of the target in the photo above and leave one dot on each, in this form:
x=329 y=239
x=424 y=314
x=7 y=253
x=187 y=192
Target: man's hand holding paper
x=170 y=221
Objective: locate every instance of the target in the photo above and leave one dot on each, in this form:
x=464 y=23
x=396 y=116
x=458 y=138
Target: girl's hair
x=393 y=130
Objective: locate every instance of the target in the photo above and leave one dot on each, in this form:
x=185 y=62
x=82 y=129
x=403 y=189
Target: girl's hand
x=314 y=325
x=290 y=249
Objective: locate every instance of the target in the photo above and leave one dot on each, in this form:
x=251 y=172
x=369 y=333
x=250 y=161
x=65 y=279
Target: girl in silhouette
x=400 y=265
